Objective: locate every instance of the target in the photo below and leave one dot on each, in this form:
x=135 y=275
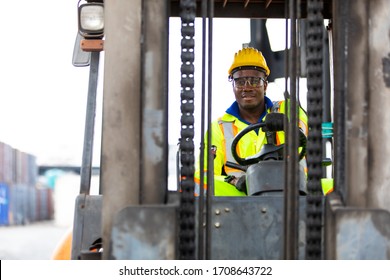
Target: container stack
x=22 y=200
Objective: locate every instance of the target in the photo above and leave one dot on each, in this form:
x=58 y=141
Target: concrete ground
x=35 y=241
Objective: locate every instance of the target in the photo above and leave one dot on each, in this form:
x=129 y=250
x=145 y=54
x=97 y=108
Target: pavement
x=34 y=241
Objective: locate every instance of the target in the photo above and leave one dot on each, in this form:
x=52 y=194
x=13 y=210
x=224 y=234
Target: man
x=248 y=75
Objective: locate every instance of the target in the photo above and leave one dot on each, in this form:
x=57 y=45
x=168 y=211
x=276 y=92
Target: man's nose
x=247 y=83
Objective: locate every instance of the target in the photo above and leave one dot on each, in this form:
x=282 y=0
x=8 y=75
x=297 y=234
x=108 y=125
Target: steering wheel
x=267 y=148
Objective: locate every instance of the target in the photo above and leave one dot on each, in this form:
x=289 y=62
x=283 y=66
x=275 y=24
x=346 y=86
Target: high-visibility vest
x=230 y=131
x=223 y=133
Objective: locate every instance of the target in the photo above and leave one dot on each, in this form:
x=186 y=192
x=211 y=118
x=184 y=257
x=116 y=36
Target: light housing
x=91 y=20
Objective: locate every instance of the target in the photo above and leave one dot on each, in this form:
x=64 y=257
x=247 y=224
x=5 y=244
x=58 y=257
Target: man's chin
x=249 y=106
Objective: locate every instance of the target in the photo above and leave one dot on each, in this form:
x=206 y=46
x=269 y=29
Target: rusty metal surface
x=356 y=233
x=121 y=125
x=241 y=228
x=154 y=147
x=250 y=8
x=144 y=233
x=362 y=234
x=252 y=227
x=361 y=102
x=357 y=103
x=89 y=130
x=340 y=75
x=87 y=223
x=378 y=72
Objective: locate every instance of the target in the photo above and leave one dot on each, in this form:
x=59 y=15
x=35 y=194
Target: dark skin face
x=250 y=99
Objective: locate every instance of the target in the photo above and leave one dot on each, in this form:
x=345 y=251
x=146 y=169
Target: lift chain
x=187 y=206
x=314 y=145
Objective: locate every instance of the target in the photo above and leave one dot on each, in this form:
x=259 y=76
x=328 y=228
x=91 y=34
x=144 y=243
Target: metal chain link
x=314 y=145
x=187 y=206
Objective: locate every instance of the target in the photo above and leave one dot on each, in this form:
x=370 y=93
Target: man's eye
x=254 y=81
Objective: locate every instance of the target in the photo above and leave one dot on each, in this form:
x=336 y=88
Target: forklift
x=338 y=46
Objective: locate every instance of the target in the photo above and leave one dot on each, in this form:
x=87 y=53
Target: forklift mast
x=338 y=46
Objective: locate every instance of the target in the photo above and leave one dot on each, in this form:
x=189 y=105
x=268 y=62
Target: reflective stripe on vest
x=229 y=136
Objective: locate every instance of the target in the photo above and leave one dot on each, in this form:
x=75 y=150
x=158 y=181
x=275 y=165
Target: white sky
x=43 y=96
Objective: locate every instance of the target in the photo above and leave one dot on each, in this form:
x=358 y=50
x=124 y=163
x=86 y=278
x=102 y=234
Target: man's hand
x=274 y=122
x=231 y=179
x=239 y=183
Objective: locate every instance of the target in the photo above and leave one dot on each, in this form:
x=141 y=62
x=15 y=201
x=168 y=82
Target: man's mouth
x=247 y=96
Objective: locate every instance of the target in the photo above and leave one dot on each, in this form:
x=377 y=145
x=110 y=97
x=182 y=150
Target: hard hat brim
x=246 y=67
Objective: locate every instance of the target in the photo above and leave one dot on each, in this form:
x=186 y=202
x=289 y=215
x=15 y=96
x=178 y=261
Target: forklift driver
x=248 y=75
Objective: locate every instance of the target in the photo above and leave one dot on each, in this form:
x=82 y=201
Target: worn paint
x=386 y=70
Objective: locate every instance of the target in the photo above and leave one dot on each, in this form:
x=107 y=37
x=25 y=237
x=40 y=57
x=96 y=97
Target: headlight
x=91 y=20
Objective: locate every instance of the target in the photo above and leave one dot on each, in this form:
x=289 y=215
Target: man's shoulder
x=226 y=118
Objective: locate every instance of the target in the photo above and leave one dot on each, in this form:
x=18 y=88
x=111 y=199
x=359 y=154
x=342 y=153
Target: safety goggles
x=248 y=81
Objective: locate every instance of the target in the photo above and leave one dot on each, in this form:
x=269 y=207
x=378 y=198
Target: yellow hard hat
x=249 y=58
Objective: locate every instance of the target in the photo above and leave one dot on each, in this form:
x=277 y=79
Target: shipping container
x=32 y=204
x=32 y=175
x=4 y=204
x=19 y=177
x=2 y=147
x=20 y=167
x=6 y=163
x=18 y=204
x=44 y=204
